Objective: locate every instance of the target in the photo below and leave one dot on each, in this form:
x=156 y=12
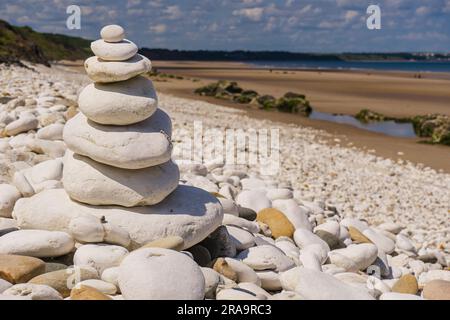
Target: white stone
x=266 y=257
x=116 y=235
x=287 y=295
x=4 y=285
x=355 y=223
x=315 y=285
x=355 y=257
x=23 y=124
x=112 y=33
x=231 y=220
x=297 y=215
x=431 y=275
x=185 y=210
x=114 y=71
x=160 y=274
x=304 y=239
x=404 y=243
x=289 y=248
x=120 y=103
x=270 y=280
x=111 y=275
x=83 y=228
x=33 y=292
x=94 y=183
x=201 y=182
x=382 y=242
x=8 y=197
x=279 y=194
x=243 y=271
x=118 y=51
x=102 y=286
x=54 y=149
x=51 y=132
x=36 y=243
x=241 y=238
x=255 y=289
x=399 y=296
x=253 y=184
x=255 y=200
x=212 y=280
x=99 y=256
x=332 y=227
x=6 y=223
x=44 y=171
x=229 y=206
x=310 y=259
x=391 y=227
x=137 y=146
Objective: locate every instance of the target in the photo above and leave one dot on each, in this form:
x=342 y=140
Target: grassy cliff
x=23 y=43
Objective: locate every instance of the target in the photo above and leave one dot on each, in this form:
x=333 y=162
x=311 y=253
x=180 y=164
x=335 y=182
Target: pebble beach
x=92 y=184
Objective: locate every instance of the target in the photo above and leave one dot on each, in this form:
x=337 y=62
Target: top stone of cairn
x=112 y=33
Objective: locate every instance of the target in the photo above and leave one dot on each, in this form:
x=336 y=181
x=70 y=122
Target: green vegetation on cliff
x=23 y=43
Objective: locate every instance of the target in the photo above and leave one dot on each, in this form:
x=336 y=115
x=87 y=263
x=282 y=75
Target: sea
x=407 y=66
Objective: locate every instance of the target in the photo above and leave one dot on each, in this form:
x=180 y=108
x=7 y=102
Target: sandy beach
x=396 y=94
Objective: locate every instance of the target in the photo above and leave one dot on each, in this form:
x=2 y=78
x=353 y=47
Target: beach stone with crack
x=112 y=33
x=279 y=225
x=118 y=51
x=406 y=284
x=90 y=182
x=8 y=197
x=120 y=103
x=20 y=269
x=316 y=285
x=33 y=292
x=141 y=276
x=115 y=71
x=63 y=280
x=437 y=290
x=36 y=243
x=172 y=243
x=99 y=256
x=137 y=146
x=265 y=257
x=87 y=293
x=354 y=258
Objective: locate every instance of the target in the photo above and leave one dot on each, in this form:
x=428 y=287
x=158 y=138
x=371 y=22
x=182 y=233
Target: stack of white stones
x=120 y=184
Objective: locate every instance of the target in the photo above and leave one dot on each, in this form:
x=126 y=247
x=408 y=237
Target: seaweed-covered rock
x=434 y=126
x=266 y=101
x=293 y=95
x=367 y=115
x=296 y=105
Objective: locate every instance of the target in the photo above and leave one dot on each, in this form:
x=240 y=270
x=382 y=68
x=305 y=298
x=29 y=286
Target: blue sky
x=292 y=25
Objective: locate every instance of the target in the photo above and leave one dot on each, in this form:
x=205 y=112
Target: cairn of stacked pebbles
x=120 y=184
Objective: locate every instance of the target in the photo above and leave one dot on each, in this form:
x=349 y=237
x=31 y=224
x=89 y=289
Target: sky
x=280 y=25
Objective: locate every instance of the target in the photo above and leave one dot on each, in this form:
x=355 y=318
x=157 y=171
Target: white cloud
x=350 y=15
x=253 y=14
x=173 y=12
x=159 y=28
x=422 y=11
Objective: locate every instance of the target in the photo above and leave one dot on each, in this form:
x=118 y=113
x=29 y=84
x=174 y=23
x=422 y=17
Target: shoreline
x=409 y=149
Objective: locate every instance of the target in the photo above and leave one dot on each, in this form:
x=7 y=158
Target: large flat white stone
x=188 y=212
x=141 y=145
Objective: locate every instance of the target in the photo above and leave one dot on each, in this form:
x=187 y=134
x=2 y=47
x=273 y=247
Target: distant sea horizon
x=406 y=66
